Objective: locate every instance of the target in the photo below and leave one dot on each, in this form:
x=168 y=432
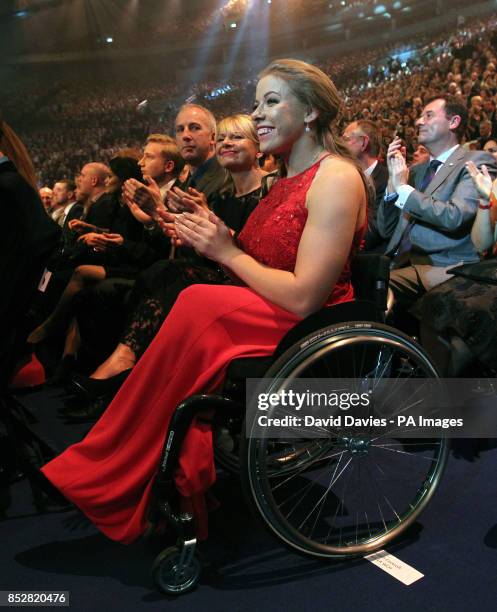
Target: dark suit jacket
x=102 y=213
x=212 y=178
x=29 y=235
x=210 y=181
x=442 y=215
x=373 y=240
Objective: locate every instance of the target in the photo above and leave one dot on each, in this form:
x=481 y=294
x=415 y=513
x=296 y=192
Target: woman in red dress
x=291 y=258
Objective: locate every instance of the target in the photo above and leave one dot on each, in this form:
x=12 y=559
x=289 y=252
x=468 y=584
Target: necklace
x=315 y=159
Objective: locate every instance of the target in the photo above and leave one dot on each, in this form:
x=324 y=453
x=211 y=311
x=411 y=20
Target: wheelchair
x=339 y=495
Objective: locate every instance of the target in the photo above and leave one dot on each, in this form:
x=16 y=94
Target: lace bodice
x=272 y=232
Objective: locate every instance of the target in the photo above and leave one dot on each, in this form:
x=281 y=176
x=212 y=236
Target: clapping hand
x=144 y=201
x=179 y=201
x=482 y=180
x=206 y=233
x=397 y=167
x=166 y=221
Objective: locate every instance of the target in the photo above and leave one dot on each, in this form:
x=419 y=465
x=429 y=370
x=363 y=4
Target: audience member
x=195 y=129
x=421 y=155
x=490 y=146
x=162 y=162
x=117 y=251
x=46 y=196
x=29 y=237
x=437 y=203
x=64 y=198
x=362 y=139
x=157 y=288
x=464 y=309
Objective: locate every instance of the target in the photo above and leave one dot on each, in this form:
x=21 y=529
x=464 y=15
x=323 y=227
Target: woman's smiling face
x=278 y=115
x=234 y=150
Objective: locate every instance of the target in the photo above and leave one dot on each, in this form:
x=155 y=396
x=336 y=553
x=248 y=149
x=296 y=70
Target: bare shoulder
x=337 y=167
x=340 y=177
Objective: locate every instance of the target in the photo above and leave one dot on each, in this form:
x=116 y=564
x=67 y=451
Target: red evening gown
x=109 y=474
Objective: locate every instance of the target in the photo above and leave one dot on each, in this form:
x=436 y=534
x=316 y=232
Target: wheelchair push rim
x=344 y=495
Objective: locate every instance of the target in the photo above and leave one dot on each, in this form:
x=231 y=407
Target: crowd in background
x=118 y=159
x=65 y=121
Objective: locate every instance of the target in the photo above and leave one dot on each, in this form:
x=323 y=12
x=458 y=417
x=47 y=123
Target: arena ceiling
x=56 y=26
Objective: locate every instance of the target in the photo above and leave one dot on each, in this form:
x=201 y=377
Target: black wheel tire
x=254 y=474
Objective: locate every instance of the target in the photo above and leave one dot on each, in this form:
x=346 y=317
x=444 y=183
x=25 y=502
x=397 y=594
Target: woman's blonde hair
x=239 y=123
x=12 y=146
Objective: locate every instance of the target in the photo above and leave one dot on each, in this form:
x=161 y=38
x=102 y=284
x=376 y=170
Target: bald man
x=91 y=181
x=94 y=204
x=98 y=205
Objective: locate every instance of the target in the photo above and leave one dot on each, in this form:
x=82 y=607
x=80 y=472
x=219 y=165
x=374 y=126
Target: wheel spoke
x=358 y=488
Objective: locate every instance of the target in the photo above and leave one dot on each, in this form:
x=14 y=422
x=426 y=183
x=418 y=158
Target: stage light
x=109 y=39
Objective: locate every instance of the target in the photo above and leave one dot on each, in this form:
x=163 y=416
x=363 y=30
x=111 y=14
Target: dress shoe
x=94 y=388
x=89 y=412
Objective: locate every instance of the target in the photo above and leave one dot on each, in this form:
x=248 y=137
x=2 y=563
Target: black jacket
x=373 y=241
x=29 y=236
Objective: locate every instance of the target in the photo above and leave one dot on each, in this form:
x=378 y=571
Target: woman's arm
x=482 y=232
x=335 y=201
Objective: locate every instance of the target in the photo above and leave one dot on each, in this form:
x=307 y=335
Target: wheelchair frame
x=330 y=336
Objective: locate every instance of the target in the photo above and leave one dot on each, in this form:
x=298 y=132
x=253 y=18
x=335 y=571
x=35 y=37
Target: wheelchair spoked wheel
x=344 y=494
x=172 y=575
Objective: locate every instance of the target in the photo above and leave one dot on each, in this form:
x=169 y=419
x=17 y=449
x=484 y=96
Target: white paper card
x=45 y=279
x=395 y=567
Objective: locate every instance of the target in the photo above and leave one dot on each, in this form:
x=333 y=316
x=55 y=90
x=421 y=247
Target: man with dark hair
x=437 y=203
x=362 y=139
x=64 y=198
x=452 y=108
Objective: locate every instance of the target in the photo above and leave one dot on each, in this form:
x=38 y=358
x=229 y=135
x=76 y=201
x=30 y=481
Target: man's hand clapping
x=179 y=201
x=397 y=168
x=144 y=201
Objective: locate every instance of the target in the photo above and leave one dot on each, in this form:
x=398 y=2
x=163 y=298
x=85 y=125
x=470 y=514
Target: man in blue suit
x=435 y=203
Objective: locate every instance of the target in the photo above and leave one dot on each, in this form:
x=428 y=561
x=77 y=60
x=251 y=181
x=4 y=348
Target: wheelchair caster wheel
x=172 y=578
